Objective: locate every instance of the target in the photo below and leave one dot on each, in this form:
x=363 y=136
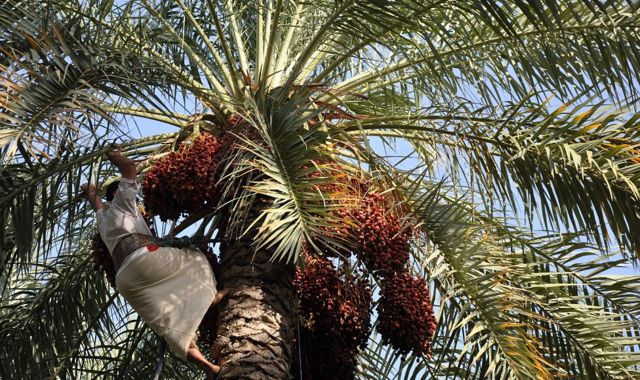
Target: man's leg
x=195 y=356
x=219 y=296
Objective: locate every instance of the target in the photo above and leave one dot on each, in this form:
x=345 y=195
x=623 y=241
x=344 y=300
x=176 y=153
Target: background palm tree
x=508 y=129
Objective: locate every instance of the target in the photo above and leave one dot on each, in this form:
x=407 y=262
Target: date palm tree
x=507 y=130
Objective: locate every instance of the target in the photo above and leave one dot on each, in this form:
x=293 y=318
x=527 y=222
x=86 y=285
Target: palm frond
x=290 y=166
x=40 y=320
x=497 y=53
x=503 y=292
x=577 y=165
x=57 y=87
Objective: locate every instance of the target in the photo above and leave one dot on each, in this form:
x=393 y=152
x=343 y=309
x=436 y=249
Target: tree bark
x=255 y=322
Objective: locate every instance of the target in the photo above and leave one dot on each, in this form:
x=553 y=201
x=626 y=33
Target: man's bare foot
x=212 y=372
x=195 y=356
x=219 y=296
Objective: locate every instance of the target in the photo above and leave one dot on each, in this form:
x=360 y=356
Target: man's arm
x=126 y=165
x=89 y=190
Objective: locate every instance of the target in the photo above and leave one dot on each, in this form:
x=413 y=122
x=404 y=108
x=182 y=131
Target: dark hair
x=110 y=191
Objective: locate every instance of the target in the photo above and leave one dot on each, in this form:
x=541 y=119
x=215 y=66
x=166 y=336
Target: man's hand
x=126 y=166
x=114 y=150
x=89 y=191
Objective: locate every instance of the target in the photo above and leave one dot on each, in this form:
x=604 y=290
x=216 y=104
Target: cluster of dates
x=380 y=240
x=405 y=314
x=189 y=179
x=335 y=310
x=185 y=181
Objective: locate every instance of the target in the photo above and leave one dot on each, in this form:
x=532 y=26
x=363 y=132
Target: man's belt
x=135 y=241
x=130 y=244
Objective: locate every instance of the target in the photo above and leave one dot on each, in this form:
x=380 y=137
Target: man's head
x=110 y=191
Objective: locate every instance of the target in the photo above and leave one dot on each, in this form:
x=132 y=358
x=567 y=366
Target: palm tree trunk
x=255 y=322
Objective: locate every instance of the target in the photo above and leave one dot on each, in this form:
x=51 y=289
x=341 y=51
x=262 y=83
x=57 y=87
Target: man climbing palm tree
x=168 y=287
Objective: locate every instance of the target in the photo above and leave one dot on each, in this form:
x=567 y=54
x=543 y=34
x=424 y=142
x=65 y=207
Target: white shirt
x=121 y=217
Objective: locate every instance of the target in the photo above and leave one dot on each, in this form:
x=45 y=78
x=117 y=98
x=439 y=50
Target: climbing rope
x=158 y=369
x=299 y=347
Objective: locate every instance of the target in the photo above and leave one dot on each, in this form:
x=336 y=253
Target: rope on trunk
x=158 y=369
x=299 y=347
